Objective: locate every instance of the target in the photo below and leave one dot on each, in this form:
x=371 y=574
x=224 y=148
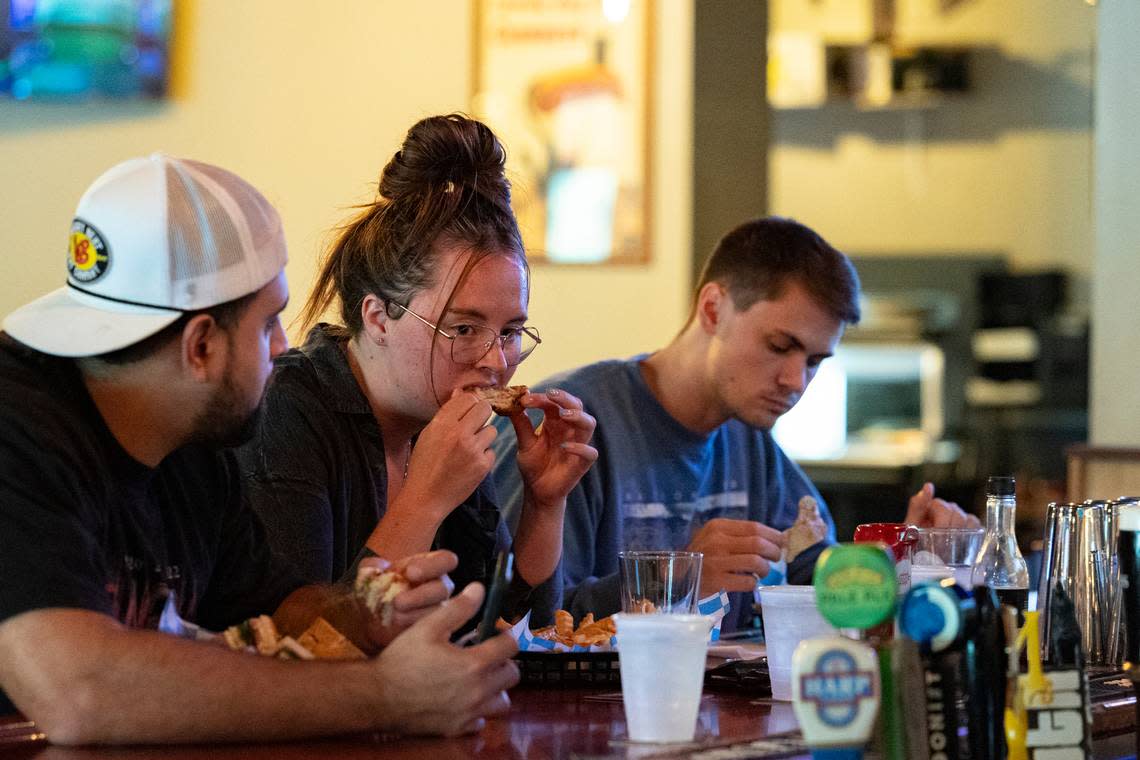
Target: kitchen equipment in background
x=1028 y=350
x=871 y=401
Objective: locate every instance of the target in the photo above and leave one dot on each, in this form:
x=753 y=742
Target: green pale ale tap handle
x=856 y=585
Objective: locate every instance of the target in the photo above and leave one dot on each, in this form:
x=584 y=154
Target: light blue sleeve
x=591 y=542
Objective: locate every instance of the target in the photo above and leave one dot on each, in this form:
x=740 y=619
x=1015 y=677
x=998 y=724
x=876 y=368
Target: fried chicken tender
x=563 y=625
x=590 y=632
x=644 y=606
x=595 y=632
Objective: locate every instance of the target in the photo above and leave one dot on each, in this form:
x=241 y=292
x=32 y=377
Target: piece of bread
x=265 y=636
x=504 y=400
x=808 y=529
x=327 y=643
x=238 y=637
x=377 y=588
x=289 y=649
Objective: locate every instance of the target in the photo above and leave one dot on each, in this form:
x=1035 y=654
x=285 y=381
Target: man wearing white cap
x=117 y=508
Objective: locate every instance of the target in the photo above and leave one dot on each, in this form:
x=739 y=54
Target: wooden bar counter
x=543 y=723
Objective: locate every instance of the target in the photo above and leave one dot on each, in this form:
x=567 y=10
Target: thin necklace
x=407 y=460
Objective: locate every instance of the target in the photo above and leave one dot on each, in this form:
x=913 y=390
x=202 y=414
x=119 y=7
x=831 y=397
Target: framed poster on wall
x=566 y=86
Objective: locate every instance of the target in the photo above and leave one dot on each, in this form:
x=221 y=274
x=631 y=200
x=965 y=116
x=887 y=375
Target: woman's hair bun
x=446 y=149
x=446 y=182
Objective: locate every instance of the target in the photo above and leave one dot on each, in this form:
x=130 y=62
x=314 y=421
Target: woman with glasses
x=371 y=441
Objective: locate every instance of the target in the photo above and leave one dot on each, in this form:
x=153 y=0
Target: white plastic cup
x=790 y=616
x=662 y=660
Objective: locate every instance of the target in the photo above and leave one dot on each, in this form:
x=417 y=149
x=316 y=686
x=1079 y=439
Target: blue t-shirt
x=655 y=484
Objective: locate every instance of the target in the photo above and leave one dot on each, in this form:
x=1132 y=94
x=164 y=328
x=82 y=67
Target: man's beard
x=226 y=421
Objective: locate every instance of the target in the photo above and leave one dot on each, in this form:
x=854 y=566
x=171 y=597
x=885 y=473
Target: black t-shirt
x=316 y=474
x=84 y=525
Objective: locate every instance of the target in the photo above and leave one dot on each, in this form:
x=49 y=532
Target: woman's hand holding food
x=451 y=458
x=434 y=687
x=397 y=594
x=736 y=552
x=551 y=459
x=555 y=456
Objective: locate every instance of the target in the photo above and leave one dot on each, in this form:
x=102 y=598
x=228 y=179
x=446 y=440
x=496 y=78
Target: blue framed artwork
x=82 y=49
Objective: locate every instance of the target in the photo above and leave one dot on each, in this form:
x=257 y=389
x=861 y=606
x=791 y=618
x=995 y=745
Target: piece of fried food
x=643 y=606
x=547 y=634
x=238 y=637
x=327 y=643
x=595 y=633
x=264 y=635
x=504 y=401
x=589 y=632
x=319 y=641
x=289 y=649
x=377 y=589
x=563 y=626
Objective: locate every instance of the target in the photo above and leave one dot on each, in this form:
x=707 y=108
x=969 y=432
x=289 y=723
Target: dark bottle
x=986 y=668
x=1128 y=550
x=1000 y=565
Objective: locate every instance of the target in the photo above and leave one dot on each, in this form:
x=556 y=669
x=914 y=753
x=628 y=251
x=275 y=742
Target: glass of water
x=955 y=548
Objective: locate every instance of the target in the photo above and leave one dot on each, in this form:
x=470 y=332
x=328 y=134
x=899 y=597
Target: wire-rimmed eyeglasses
x=470 y=343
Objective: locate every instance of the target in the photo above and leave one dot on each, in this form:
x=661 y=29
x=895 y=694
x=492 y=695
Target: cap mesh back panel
x=202 y=237
x=260 y=217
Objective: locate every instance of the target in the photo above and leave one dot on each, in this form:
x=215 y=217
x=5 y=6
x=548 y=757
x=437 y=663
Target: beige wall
x=1115 y=402
x=309 y=104
x=1006 y=167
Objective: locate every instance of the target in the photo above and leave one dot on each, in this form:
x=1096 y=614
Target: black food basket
x=568 y=669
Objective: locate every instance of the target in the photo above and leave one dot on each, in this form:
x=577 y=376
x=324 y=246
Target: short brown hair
x=446 y=182
x=757 y=259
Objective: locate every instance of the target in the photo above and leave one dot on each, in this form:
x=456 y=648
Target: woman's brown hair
x=446 y=181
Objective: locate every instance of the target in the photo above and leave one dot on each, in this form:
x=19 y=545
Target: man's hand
x=430 y=587
x=925 y=511
x=431 y=686
x=553 y=458
x=736 y=551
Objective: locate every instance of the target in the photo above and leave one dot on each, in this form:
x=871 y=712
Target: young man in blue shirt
x=686 y=459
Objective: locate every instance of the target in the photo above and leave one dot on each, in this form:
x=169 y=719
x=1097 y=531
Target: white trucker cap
x=152 y=238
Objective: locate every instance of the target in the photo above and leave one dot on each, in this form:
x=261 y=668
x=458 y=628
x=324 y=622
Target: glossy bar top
x=543 y=723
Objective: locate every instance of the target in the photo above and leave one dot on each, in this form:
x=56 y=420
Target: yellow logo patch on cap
x=87 y=253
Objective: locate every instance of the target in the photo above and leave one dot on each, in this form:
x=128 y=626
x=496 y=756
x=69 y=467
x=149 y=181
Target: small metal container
x=1058 y=563
x=1079 y=555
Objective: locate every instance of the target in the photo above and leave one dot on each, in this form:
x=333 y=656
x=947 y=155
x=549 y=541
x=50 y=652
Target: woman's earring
x=379 y=340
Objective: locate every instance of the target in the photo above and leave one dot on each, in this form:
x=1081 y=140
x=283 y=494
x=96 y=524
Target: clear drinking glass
x=955 y=548
x=660 y=581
